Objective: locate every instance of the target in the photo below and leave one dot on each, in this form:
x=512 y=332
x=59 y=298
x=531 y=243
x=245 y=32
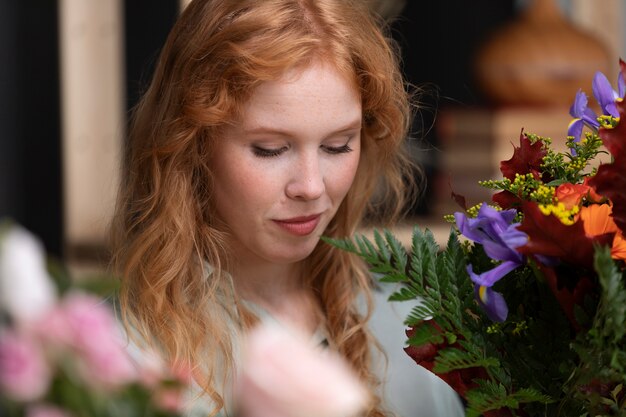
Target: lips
x=300 y=226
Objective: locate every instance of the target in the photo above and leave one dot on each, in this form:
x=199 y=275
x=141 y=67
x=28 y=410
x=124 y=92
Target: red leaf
x=610 y=181
x=506 y=199
x=423 y=355
x=459 y=199
x=547 y=236
x=461 y=380
x=526 y=159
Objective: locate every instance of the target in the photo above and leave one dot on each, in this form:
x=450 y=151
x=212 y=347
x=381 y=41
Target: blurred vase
x=538 y=59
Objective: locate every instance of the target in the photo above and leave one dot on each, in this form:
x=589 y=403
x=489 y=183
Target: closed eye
x=268 y=153
x=333 y=150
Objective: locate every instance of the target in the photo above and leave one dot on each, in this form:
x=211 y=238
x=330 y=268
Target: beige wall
x=605 y=19
x=92 y=86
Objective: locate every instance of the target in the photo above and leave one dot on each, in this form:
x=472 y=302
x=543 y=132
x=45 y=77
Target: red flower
x=460 y=380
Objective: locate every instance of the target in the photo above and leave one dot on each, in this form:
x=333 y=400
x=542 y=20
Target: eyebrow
x=354 y=125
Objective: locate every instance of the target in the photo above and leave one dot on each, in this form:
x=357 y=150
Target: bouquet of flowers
x=63 y=355
x=524 y=312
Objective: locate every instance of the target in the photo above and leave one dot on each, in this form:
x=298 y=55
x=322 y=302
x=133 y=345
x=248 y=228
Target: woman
x=267 y=125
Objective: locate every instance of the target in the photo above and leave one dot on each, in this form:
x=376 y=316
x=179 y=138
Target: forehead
x=311 y=94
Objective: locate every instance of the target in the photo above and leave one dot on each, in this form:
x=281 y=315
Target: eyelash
x=334 y=150
x=269 y=153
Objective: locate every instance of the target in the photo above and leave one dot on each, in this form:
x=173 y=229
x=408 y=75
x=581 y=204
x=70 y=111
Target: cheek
x=248 y=187
x=234 y=183
x=344 y=174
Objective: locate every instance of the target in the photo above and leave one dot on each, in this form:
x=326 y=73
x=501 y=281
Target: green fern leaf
x=612 y=307
x=418 y=314
x=381 y=245
x=343 y=244
x=403 y=294
x=390 y=276
x=451 y=359
x=493 y=396
x=398 y=252
x=423 y=335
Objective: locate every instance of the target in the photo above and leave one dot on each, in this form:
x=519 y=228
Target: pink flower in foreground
x=171 y=397
x=24 y=373
x=54 y=330
x=283 y=376
x=45 y=410
x=98 y=340
x=85 y=325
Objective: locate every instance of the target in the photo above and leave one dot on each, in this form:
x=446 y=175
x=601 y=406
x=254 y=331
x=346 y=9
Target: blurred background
x=71 y=70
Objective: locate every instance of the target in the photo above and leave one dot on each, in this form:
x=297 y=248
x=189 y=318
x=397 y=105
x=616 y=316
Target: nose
x=307 y=180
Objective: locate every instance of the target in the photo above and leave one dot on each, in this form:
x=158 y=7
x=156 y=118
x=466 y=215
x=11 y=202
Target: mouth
x=300 y=226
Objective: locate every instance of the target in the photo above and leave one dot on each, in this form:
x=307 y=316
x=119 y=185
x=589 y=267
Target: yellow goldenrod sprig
x=543 y=194
x=567 y=217
x=522 y=185
x=533 y=138
x=608 y=121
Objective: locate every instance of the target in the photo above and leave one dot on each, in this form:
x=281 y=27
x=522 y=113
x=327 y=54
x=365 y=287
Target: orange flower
x=571 y=194
x=597 y=220
x=592 y=196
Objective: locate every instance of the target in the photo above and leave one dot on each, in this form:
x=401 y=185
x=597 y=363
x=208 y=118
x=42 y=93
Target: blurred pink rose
x=283 y=376
x=45 y=410
x=54 y=330
x=97 y=337
x=171 y=397
x=24 y=373
x=86 y=325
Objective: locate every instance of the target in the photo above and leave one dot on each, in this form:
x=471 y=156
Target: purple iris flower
x=492 y=302
x=582 y=115
x=498 y=235
x=606 y=97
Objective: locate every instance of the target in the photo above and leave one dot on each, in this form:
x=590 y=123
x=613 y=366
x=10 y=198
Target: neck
x=280 y=290
x=267 y=283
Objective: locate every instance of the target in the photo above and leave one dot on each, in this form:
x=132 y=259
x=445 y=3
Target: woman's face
x=282 y=172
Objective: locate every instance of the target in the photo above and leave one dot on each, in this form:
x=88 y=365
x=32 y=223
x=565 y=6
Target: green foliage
x=492 y=396
x=438 y=280
x=530 y=361
x=602 y=349
x=451 y=359
x=571 y=167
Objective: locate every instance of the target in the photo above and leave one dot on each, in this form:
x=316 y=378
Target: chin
x=293 y=254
